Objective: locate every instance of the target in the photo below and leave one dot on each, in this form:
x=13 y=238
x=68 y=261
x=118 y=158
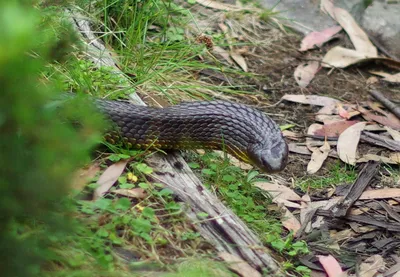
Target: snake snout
x=270 y=159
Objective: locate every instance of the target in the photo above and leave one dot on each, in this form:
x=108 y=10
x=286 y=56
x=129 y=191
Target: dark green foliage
x=38 y=151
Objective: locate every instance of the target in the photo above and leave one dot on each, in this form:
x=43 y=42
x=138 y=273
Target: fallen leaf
x=83 y=176
x=393 y=78
x=334 y=129
x=395 y=134
x=395 y=157
x=290 y=222
x=340 y=57
x=317 y=39
x=348 y=142
x=328 y=118
x=310 y=99
x=391 y=121
x=238 y=265
x=357 y=35
x=311 y=131
x=372 y=80
x=138 y=193
x=330 y=265
x=380 y=194
x=290 y=134
x=372 y=266
x=305 y=72
x=217 y=5
x=278 y=192
x=372 y=157
x=223 y=53
x=108 y=178
x=239 y=60
x=318 y=157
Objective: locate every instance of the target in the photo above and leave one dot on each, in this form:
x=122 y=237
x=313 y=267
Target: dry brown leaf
x=328 y=118
x=395 y=134
x=318 y=157
x=239 y=59
x=238 y=265
x=290 y=222
x=357 y=35
x=330 y=265
x=389 y=120
x=138 y=193
x=380 y=194
x=310 y=99
x=340 y=57
x=217 y=5
x=371 y=266
x=291 y=134
x=108 y=178
x=305 y=72
x=311 y=131
x=393 y=78
x=223 y=53
x=348 y=142
x=372 y=80
x=278 y=191
x=372 y=157
x=317 y=39
x=395 y=157
x=82 y=176
x=335 y=129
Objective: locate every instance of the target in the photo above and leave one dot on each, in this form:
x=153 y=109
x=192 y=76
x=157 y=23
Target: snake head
x=271 y=156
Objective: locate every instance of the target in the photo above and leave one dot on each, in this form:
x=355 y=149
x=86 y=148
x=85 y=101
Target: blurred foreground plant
x=39 y=153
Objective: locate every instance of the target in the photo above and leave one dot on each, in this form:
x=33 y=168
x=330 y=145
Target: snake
x=242 y=131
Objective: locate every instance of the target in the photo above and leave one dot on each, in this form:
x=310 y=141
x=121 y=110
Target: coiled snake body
x=242 y=131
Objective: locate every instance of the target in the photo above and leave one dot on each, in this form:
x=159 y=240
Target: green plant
x=334 y=175
x=39 y=151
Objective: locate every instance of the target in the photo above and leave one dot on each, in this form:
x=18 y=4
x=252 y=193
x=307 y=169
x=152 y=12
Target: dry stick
x=386 y=102
x=380 y=141
x=225 y=230
x=364 y=178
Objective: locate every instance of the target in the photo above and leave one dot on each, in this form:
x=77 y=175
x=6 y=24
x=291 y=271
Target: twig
x=380 y=141
x=363 y=180
x=386 y=102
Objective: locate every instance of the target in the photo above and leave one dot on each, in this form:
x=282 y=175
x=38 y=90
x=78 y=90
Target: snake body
x=242 y=131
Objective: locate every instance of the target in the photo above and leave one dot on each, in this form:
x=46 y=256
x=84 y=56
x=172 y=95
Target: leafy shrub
x=39 y=152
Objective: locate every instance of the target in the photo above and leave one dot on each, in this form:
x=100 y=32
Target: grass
x=336 y=174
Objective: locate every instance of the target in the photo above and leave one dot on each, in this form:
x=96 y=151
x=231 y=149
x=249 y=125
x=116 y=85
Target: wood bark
x=225 y=230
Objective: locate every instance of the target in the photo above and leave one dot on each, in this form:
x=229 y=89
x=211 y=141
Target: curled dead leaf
x=239 y=59
x=318 y=157
x=348 y=142
x=310 y=99
x=317 y=39
x=108 y=178
x=305 y=72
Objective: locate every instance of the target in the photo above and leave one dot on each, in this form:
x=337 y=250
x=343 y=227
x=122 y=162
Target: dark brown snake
x=242 y=131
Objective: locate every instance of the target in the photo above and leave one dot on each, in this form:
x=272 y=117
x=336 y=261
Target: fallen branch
x=386 y=102
x=357 y=188
x=380 y=141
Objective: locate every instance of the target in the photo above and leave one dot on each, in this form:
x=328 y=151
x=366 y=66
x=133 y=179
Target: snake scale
x=242 y=131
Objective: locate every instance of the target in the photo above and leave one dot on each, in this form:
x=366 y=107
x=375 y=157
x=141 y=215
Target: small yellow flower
x=132 y=177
